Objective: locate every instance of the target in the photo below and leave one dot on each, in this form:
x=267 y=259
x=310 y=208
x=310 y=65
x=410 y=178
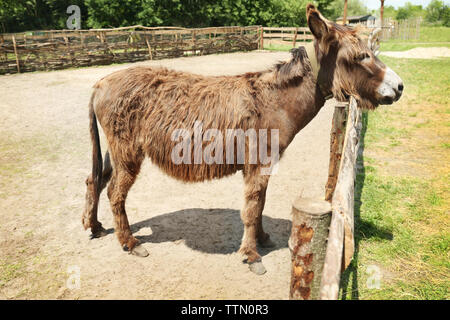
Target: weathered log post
x=149 y=48
x=262 y=39
x=16 y=53
x=340 y=245
x=295 y=38
x=308 y=242
x=337 y=137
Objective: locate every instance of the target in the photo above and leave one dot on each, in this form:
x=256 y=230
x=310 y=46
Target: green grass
x=9 y=271
x=429 y=37
x=434 y=34
x=402 y=222
x=403 y=46
x=278 y=47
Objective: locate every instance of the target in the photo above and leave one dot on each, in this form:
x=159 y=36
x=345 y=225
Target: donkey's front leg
x=251 y=215
x=118 y=188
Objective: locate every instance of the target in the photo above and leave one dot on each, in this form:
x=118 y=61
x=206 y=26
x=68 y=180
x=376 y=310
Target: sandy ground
x=192 y=231
x=420 y=53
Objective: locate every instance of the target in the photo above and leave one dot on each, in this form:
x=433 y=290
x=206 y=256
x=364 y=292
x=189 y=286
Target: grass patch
x=19 y=155
x=429 y=37
x=434 y=34
x=402 y=224
x=403 y=46
x=277 y=47
x=9 y=271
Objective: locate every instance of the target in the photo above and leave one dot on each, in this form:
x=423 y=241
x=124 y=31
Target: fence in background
x=286 y=35
x=60 y=49
x=401 y=30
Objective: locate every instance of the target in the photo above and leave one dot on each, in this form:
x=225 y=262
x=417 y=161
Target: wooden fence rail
x=322 y=236
x=286 y=34
x=59 y=49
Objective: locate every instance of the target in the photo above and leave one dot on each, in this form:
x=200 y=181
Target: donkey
x=139 y=109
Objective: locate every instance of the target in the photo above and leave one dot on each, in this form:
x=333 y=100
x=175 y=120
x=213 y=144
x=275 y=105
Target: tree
x=287 y=13
x=36 y=14
x=326 y=7
x=354 y=8
x=344 y=19
x=388 y=12
x=410 y=11
x=437 y=11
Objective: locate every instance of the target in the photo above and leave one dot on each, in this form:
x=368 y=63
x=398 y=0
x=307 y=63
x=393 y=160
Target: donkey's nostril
x=400 y=87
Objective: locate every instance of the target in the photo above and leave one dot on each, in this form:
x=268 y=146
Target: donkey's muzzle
x=391 y=89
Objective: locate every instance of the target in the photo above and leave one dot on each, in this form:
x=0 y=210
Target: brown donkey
x=140 y=108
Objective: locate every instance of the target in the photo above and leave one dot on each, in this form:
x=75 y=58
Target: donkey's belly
x=196 y=172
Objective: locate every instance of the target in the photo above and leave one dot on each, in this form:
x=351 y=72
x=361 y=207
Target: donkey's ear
x=316 y=22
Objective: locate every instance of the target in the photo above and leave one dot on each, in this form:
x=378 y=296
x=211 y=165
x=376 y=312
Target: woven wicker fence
x=60 y=49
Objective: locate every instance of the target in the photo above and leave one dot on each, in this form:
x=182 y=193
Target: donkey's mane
x=294 y=69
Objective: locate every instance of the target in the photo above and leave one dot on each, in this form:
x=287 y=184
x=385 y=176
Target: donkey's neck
x=315 y=65
x=312 y=56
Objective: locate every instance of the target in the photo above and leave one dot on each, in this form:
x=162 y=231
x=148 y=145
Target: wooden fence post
x=310 y=221
x=262 y=38
x=16 y=54
x=336 y=144
x=340 y=245
x=149 y=48
x=295 y=38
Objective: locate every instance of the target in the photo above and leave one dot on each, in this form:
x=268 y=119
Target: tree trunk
x=337 y=137
x=308 y=242
x=344 y=19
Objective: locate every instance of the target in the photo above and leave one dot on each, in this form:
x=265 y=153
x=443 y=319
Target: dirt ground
x=192 y=231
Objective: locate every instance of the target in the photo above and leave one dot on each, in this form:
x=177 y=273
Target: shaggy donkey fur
x=139 y=108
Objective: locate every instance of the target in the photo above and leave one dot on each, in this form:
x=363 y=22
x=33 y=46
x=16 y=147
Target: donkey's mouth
x=391 y=99
x=387 y=100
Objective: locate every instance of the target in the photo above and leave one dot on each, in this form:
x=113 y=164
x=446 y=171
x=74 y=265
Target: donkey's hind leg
x=90 y=219
x=122 y=180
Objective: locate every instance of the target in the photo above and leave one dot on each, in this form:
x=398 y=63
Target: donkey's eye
x=363 y=56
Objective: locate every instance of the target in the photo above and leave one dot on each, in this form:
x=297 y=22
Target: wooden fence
x=59 y=49
x=322 y=236
x=286 y=35
x=401 y=30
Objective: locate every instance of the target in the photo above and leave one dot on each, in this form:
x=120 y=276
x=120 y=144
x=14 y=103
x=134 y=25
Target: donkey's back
x=140 y=108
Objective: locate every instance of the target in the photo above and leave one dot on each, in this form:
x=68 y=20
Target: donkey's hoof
x=257 y=267
x=100 y=232
x=267 y=243
x=139 y=251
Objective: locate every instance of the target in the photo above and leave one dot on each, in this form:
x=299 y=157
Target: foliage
x=389 y=12
x=354 y=8
x=51 y=14
x=35 y=14
x=22 y=15
x=437 y=12
x=410 y=11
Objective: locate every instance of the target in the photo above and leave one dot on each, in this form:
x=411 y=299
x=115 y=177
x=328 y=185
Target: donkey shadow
x=215 y=231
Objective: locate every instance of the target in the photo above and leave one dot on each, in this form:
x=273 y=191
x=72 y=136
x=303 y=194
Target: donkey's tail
x=97 y=161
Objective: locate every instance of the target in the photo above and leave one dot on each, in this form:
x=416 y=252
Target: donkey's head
x=348 y=66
